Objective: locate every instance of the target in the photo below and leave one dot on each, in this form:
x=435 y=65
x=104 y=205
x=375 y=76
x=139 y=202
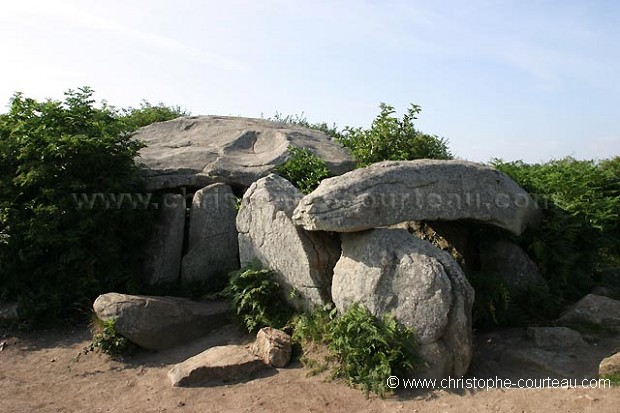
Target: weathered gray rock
x=157 y=323
x=549 y=363
x=593 y=311
x=273 y=347
x=391 y=271
x=199 y=150
x=221 y=363
x=303 y=261
x=390 y=192
x=213 y=250
x=512 y=265
x=606 y=291
x=556 y=338
x=165 y=248
x=610 y=366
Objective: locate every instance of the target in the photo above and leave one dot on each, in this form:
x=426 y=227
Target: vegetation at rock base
x=55 y=255
x=304 y=169
x=106 y=339
x=255 y=296
x=364 y=350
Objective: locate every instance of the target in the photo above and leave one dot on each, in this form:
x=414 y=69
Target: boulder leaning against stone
x=157 y=323
x=389 y=271
x=303 y=261
x=392 y=192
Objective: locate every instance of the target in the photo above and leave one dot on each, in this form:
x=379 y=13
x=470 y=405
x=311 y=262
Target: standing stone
x=213 y=250
x=303 y=261
x=389 y=271
x=390 y=192
x=165 y=248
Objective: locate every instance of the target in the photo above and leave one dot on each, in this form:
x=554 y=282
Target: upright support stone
x=165 y=248
x=303 y=261
x=389 y=271
x=213 y=250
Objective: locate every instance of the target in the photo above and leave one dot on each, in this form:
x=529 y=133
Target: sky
x=529 y=80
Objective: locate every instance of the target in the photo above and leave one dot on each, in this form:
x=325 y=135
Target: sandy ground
x=41 y=372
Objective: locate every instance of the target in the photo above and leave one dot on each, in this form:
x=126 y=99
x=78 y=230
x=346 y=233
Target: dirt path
x=40 y=372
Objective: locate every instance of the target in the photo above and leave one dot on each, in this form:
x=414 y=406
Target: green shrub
x=314 y=326
x=366 y=350
x=147 y=114
x=301 y=120
x=106 y=339
x=579 y=234
x=388 y=139
x=56 y=255
x=256 y=298
x=303 y=169
x=391 y=139
x=492 y=300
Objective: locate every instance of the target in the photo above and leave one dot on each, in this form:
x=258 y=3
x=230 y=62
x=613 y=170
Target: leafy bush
x=390 y=138
x=301 y=120
x=303 y=169
x=106 y=339
x=367 y=350
x=147 y=114
x=255 y=295
x=492 y=300
x=579 y=235
x=56 y=256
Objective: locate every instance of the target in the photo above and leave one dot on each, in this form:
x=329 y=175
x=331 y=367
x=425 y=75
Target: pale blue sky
x=528 y=80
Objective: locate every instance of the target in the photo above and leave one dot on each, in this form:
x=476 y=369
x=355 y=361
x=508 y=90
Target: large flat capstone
x=196 y=151
x=392 y=192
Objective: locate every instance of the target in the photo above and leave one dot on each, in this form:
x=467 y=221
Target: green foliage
x=303 y=169
x=146 y=114
x=367 y=350
x=614 y=379
x=256 y=298
x=314 y=326
x=56 y=256
x=301 y=120
x=370 y=349
x=106 y=339
x=580 y=233
x=390 y=138
x=492 y=299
